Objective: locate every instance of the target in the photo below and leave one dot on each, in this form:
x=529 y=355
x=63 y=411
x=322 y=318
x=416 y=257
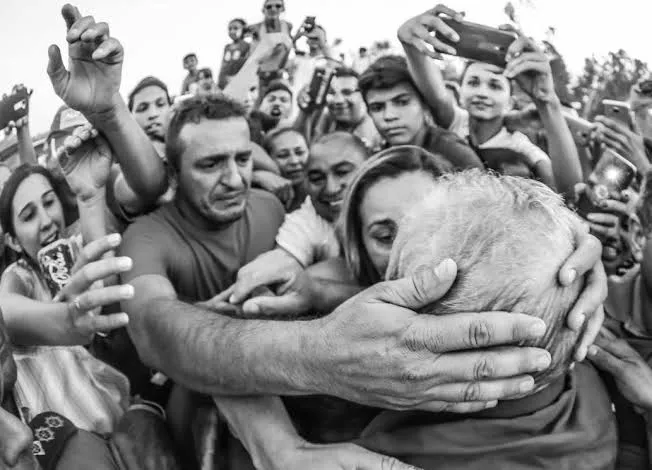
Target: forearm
x=25 y=146
x=33 y=323
x=92 y=217
x=430 y=82
x=262 y=161
x=141 y=165
x=217 y=355
x=263 y=426
x=543 y=172
x=561 y=147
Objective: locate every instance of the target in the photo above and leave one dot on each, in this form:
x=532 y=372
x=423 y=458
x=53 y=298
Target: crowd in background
x=309 y=260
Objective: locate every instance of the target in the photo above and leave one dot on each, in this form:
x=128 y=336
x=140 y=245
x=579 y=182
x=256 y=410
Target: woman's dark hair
x=389 y=163
x=10 y=188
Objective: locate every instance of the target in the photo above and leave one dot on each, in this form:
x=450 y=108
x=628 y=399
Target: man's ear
x=12 y=243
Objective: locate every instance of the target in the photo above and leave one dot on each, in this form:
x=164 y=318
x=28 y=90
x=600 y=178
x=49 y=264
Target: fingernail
x=542 y=362
x=125 y=263
x=537 y=330
x=232 y=299
x=127 y=291
x=581 y=319
x=114 y=239
x=526 y=385
x=491 y=404
x=592 y=351
x=124 y=318
x=572 y=275
x=445 y=269
x=252 y=309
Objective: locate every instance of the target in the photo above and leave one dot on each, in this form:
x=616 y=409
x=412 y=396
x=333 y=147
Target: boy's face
x=235 y=30
x=277 y=104
x=485 y=92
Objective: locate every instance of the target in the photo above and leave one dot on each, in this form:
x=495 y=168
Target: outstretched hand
x=85 y=160
x=91 y=84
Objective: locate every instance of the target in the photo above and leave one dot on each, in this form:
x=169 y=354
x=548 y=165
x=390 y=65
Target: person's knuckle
x=390 y=463
x=480 y=333
x=472 y=392
x=484 y=368
x=413 y=374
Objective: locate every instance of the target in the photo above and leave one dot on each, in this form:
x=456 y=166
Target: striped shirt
x=66 y=380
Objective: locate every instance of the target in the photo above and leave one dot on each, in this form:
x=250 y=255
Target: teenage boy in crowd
x=485 y=94
x=402 y=116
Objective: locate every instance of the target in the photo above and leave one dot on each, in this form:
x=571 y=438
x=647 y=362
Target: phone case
x=14 y=107
x=56 y=261
x=480 y=43
x=618 y=111
x=580 y=128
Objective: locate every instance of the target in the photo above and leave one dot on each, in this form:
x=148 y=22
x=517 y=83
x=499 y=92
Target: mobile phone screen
x=613 y=172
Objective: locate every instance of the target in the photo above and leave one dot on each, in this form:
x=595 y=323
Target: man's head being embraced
x=394 y=104
x=209 y=146
x=509 y=237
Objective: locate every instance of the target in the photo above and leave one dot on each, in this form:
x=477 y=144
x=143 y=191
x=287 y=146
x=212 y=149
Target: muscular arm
x=211 y=353
x=561 y=147
x=141 y=166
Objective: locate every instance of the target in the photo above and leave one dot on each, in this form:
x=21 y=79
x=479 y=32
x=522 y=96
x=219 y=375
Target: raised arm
x=421 y=49
x=92 y=86
x=530 y=67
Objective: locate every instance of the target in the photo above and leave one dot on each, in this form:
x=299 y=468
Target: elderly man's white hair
x=509 y=237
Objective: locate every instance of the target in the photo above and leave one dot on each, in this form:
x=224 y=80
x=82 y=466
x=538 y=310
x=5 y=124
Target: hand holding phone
x=14 y=106
x=618 y=111
x=309 y=23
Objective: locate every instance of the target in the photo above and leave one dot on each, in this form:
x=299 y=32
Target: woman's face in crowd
x=290 y=152
x=235 y=30
x=277 y=104
x=151 y=110
x=37 y=215
x=272 y=9
x=397 y=112
x=380 y=215
x=485 y=92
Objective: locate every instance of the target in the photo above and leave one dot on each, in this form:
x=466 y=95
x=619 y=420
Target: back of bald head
x=509 y=237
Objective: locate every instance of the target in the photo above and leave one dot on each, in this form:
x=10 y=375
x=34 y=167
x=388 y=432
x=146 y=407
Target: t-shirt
x=454 y=149
x=235 y=55
x=308 y=236
x=515 y=141
x=200 y=263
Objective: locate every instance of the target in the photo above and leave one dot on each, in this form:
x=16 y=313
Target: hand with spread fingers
x=418 y=31
x=530 y=67
x=85 y=159
x=85 y=294
x=91 y=84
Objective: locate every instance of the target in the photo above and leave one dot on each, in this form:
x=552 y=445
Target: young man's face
x=485 y=92
x=398 y=113
x=235 y=31
x=190 y=63
x=329 y=172
x=345 y=101
x=277 y=104
x=151 y=110
x=215 y=168
x=272 y=9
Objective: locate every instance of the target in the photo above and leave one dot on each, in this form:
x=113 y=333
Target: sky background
x=156 y=34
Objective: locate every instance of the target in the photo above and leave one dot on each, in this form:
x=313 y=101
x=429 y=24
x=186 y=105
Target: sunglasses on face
x=278 y=6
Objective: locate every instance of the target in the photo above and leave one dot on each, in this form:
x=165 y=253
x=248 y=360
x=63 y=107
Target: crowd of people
x=305 y=262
